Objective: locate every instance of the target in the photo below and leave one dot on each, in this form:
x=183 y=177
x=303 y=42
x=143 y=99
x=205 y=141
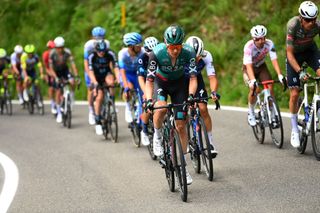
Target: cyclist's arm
x=52 y=71
x=211 y=72
x=193 y=83
x=152 y=69
x=276 y=66
x=250 y=71
x=291 y=59
x=122 y=70
x=142 y=83
x=73 y=65
x=24 y=65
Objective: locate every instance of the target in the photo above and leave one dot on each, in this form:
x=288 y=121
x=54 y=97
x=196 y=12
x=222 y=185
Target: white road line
x=228 y=108
x=10 y=185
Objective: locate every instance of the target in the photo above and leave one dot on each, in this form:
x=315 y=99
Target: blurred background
x=223 y=25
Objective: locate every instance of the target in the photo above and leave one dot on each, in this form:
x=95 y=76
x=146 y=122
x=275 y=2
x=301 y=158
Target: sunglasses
x=308 y=20
x=258 y=39
x=174 y=46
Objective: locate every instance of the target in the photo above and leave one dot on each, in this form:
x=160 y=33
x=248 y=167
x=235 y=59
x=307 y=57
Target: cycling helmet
x=174 y=35
x=3 y=53
x=98 y=32
x=18 y=49
x=29 y=48
x=150 y=43
x=308 y=10
x=196 y=43
x=101 y=46
x=258 y=31
x=50 y=44
x=59 y=42
x=131 y=39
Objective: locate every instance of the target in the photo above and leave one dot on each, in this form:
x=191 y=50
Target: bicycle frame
x=266 y=93
x=309 y=110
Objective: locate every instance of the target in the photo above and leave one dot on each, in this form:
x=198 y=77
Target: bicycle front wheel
x=150 y=135
x=258 y=129
x=315 y=131
x=276 y=127
x=113 y=122
x=193 y=148
x=179 y=166
x=31 y=105
x=39 y=102
x=302 y=126
x=205 y=148
x=68 y=114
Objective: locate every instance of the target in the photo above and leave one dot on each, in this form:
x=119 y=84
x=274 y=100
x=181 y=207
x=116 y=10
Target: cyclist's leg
x=251 y=99
x=294 y=87
x=51 y=91
x=127 y=97
x=110 y=79
x=312 y=57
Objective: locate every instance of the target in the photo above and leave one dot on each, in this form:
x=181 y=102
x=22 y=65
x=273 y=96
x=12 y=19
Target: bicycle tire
x=135 y=133
x=150 y=135
x=302 y=129
x=167 y=158
x=258 y=129
x=112 y=122
x=205 y=150
x=69 y=114
x=179 y=166
x=193 y=148
x=31 y=105
x=315 y=128
x=1 y=105
x=9 y=105
x=276 y=139
x=40 y=105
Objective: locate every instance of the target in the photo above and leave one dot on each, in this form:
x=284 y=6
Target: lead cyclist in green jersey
x=165 y=77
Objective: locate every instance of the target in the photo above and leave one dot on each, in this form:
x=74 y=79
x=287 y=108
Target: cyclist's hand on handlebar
x=215 y=96
x=149 y=105
x=253 y=84
x=190 y=99
x=303 y=75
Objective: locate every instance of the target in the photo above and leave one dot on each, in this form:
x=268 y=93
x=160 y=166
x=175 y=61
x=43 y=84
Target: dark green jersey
x=160 y=64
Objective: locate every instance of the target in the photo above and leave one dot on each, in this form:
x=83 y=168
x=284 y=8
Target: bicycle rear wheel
x=193 y=148
x=315 y=131
x=258 y=129
x=276 y=127
x=204 y=143
x=179 y=165
x=112 y=122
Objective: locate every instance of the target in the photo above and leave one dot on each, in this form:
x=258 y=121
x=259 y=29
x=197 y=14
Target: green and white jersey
x=160 y=64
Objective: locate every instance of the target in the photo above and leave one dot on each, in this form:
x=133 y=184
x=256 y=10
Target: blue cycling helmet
x=131 y=39
x=98 y=32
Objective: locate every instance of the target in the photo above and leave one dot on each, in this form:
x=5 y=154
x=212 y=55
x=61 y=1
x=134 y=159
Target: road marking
x=10 y=185
x=120 y=103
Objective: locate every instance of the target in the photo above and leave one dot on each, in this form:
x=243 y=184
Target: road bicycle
x=268 y=115
x=109 y=116
x=35 y=98
x=309 y=116
x=135 y=126
x=66 y=105
x=173 y=160
x=5 y=96
x=150 y=135
x=199 y=143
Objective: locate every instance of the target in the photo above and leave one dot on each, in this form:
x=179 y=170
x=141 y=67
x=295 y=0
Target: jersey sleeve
x=291 y=26
x=90 y=58
x=192 y=67
x=115 y=60
x=24 y=61
x=142 y=64
x=152 y=67
x=209 y=63
x=247 y=53
x=120 y=59
x=272 y=51
x=70 y=56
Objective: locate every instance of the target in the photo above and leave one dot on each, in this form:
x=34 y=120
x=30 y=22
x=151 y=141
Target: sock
x=210 y=137
x=294 y=122
x=91 y=109
x=97 y=118
x=128 y=105
x=157 y=132
x=52 y=103
x=58 y=109
x=251 y=108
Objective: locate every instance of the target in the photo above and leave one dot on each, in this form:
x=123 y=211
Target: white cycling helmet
x=197 y=44
x=18 y=49
x=308 y=10
x=258 y=31
x=59 y=42
x=150 y=43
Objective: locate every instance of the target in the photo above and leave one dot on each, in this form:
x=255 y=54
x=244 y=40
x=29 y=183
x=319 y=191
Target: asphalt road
x=62 y=170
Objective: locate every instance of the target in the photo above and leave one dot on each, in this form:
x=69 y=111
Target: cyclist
x=301 y=47
x=58 y=63
x=204 y=60
x=17 y=70
x=165 y=77
x=128 y=58
x=4 y=63
x=29 y=61
x=254 y=66
x=149 y=44
x=101 y=64
x=98 y=33
x=49 y=78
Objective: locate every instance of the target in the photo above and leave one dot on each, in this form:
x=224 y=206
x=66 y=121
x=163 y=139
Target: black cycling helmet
x=101 y=46
x=174 y=35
